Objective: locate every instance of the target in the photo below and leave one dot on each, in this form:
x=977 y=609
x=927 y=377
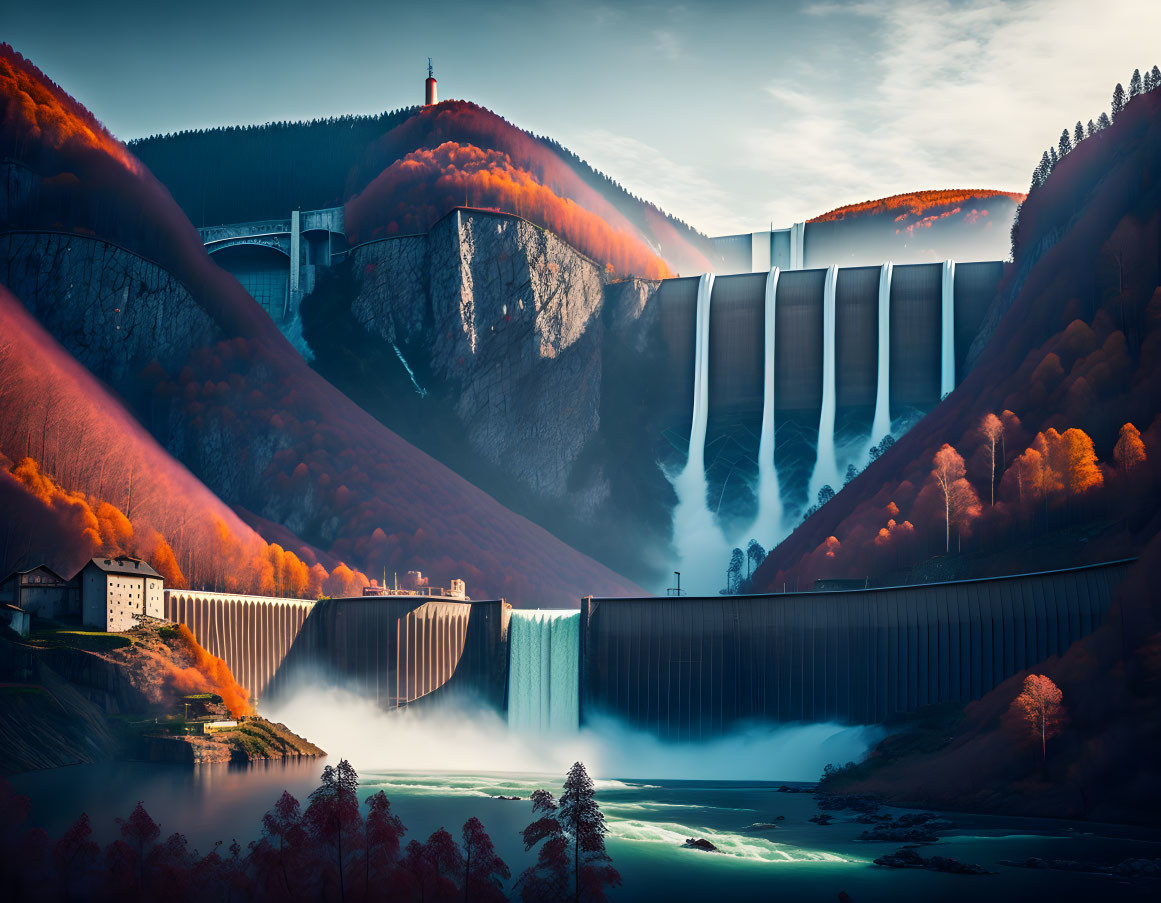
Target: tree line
x=334 y=849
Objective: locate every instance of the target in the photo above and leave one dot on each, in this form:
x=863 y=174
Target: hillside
x=79 y=476
x=1070 y=377
x=962 y=224
x=74 y=696
x=227 y=395
x=412 y=166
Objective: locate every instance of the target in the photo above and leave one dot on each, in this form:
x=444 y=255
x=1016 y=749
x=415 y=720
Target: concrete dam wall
x=398 y=650
x=690 y=668
x=683 y=668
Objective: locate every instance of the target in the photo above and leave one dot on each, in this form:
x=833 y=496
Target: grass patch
x=71 y=638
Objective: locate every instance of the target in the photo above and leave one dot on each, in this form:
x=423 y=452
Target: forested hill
x=240 y=173
x=249 y=172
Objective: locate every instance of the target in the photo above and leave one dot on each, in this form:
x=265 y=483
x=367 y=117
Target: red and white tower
x=429 y=94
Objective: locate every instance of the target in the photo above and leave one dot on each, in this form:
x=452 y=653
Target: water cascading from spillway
x=768 y=524
x=826 y=471
x=701 y=548
x=544 y=671
x=881 y=425
x=947 y=330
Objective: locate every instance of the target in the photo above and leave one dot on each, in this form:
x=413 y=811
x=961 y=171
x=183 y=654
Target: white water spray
x=881 y=426
x=947 y=341
x=701 y=548
x=543 y=671
x=826 y=471
x=768 y=523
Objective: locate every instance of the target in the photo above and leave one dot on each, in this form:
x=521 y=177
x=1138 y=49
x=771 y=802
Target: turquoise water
x=648 y=821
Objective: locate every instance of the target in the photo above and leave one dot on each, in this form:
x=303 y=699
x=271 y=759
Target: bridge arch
x=262 y=266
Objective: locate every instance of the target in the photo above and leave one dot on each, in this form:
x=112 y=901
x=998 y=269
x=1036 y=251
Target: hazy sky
x=730 y=115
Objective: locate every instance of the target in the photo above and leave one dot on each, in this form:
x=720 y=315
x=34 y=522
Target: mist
x=475 y=740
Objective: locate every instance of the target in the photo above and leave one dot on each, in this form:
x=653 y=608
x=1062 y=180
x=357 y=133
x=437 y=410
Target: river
x=648 y=821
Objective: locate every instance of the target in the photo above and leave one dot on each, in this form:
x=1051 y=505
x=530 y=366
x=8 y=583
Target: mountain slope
x=236 y=402
x=1074 y=357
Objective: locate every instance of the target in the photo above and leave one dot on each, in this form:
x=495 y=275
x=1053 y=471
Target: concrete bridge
x=276 y=260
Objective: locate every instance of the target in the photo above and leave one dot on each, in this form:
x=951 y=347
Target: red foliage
x=415 y=191
x=920 y=204
x=1040 y=706
x=1076 y=356
x=459 y=154
x=253 y=394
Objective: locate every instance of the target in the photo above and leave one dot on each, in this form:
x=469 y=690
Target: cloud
x=678 y=188
x=951 y=95
x=668 y=44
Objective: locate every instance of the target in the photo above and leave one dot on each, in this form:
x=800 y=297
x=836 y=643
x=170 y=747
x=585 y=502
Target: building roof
x=124 y=565
x=39 y=567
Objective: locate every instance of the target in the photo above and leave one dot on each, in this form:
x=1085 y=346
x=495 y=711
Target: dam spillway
x=543 y=671
x=684 y=668
x=801 y=373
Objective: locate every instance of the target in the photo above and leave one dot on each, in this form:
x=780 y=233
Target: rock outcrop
x=494 y=342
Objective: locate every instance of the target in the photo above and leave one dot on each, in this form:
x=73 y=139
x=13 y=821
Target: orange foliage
x=42 y=112
x=1129 y=450
x=917 y=203
x=961 y=505
x=1071 y=459
x=412 y=193
x=1040 y=705
x=832 y=546
x=163 y=514
x=206 y=674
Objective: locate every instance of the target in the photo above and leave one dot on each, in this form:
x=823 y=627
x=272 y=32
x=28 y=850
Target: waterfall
x=544 y=671
x=882 y=422
x=768 y=523
x=696 y=459
x=947 y=341
x=825 y=463
x=699 y=543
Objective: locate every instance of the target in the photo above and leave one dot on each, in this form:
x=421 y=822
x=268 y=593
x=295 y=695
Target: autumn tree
x=484 y=871
x=960 y=502
x=333 y=819
x=382 y=833
x=992 y=429
x=1040 y=704
x=547 y=878
x=1130 y=449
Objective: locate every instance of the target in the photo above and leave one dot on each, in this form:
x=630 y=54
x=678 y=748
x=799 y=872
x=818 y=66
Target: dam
x=680 y=668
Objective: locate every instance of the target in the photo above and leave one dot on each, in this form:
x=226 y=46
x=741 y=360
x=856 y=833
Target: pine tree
x=1103 y=122
x=1077 y=134
x=1090 y=129
x=1052 y=158
x=1118 y=100
x=1155 y=73
x=1135 y=84
x=1065 y=143
x=584 y=823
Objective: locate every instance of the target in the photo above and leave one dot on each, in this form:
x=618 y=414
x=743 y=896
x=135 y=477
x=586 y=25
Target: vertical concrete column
x=294 y=295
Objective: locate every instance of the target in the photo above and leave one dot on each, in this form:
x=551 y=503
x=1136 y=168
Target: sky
x=730 y=115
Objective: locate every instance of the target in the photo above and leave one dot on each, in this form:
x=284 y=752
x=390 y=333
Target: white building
x=114 y=591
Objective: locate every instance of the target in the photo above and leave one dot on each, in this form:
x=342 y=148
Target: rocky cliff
x=490 y=343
